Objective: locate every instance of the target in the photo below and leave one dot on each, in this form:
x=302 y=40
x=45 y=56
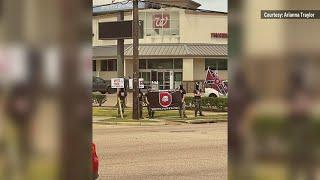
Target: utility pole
x=135 y=34
x=120 y=51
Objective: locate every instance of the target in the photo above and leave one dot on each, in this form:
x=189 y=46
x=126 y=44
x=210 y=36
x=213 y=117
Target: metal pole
x=135 y=34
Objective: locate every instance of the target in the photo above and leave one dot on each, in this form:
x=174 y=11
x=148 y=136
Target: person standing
x=182 y=110
x=141 y=104
x=122 y=95
x=197 y=100
x=150 y=112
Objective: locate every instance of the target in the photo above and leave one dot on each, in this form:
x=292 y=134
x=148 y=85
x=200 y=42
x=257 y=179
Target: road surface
x=183 y=152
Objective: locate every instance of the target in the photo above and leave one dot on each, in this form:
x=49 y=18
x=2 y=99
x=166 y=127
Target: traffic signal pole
x=135 y=34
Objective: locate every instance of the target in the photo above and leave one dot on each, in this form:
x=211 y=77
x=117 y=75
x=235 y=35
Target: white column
x=188 y=69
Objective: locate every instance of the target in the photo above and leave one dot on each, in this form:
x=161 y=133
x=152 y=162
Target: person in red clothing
x=95 y=162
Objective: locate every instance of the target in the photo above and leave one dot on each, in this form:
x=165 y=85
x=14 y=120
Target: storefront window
x=145 y=76
x=109 y=65
x=178 y=64
x=160 y=64
x=216 y=64
x=142 y=64
x=154 y=76
x=178 y=76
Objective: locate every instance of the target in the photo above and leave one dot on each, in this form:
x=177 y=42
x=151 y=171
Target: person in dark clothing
x=197 y=100
x=122 y=95
x=150 y=112
x=182 y=110
x=141 y=97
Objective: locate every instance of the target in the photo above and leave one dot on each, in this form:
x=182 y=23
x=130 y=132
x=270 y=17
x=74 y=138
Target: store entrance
x=164 y=79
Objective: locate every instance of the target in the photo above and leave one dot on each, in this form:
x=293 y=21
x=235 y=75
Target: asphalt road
x=183 y=152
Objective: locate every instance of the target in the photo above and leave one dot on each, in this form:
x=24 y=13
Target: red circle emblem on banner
x=165 y=99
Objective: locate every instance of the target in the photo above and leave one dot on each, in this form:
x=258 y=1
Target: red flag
x=212 y=77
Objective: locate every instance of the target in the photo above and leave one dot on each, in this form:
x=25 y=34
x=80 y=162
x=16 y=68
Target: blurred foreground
x=274 y=115
x=45 y=90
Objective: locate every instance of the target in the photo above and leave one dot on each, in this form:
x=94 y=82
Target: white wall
x=194 y=28
x=197 y=27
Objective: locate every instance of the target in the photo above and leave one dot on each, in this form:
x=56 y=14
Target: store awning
x=165 y=51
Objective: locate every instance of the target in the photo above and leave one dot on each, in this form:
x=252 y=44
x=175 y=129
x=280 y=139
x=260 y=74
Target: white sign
x=117 y=83
x=154 y=85
x=141 y=83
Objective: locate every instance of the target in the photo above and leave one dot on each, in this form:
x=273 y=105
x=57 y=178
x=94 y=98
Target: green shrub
x=219 y=104
x=99 y=98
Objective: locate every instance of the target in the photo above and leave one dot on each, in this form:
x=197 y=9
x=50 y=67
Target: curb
x=131 y=123
x=201 y=121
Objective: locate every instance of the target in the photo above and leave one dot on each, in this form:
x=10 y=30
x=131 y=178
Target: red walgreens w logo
x=161 y=21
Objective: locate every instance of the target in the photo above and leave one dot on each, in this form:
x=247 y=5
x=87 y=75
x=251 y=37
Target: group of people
x=143 y=99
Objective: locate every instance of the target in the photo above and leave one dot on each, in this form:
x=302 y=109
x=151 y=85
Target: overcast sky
x=215 y=5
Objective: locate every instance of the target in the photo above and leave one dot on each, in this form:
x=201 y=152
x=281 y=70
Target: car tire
x=213 y=95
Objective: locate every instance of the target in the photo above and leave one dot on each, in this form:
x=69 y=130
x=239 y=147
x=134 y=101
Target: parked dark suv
x=101 y=85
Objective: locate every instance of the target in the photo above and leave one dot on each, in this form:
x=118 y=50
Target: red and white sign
x=117 y=83
x=165 y=99
x=161 y=21
x=219 y=35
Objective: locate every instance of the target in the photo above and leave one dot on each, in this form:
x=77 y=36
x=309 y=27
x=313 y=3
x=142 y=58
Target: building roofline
x=167 y=44
x=146 y=7
x=161 y=57
x=177 y=50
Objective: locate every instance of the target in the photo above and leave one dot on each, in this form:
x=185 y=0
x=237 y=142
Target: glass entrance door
x=164 y=80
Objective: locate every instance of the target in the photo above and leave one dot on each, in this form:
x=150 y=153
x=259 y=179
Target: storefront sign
x=164 y=100
x=117 y=83
x=161 y=21
x=219 y=35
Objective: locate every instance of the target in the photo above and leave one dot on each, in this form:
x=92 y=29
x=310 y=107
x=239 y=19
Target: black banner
x=118 y=30
x=164 y=100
